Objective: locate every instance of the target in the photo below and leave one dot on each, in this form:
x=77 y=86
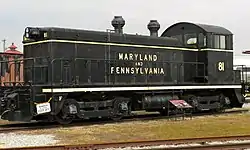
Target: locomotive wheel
x=223 y=103
x=119 y=112
x=116 y=117
x=64 y=117
x=192 y=100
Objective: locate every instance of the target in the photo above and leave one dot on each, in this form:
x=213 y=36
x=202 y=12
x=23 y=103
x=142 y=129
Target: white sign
x=43 y=108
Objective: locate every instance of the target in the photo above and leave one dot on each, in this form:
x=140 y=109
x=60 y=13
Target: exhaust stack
x=153 y=27
x=118 y=22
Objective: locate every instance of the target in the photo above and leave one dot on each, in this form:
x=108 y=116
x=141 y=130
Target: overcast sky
x=15 y=15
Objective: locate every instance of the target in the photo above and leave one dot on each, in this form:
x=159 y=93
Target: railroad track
x=236 y=142
x=50 y=125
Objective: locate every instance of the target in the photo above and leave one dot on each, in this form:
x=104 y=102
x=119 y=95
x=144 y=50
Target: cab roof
x=205 y=28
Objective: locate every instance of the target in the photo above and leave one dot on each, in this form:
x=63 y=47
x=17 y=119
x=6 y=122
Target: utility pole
x=4 y=41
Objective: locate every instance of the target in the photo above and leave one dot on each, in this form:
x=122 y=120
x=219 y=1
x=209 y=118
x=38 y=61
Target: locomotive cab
x=214 y=49
x=203 y=36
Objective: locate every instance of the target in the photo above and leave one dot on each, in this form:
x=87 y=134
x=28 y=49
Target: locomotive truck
x=79 y=74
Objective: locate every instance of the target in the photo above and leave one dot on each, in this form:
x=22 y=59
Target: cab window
x=194 y=38
x=220 y=41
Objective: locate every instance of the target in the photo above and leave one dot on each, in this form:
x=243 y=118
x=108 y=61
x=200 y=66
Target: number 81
x=221 y=66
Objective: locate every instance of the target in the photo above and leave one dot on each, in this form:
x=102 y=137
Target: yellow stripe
x=247 y=95
x=123 y=45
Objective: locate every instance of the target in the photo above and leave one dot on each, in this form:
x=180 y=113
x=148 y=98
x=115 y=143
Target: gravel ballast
x=10 y=140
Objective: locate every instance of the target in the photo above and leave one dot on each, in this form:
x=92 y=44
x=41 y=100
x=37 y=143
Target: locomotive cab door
x=61 y=71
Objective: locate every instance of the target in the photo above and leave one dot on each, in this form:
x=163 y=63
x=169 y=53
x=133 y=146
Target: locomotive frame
x=72 y=74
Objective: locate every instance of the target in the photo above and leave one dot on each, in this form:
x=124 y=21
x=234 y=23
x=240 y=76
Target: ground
x=7 y=122
x=3 y=122
x=223 y=125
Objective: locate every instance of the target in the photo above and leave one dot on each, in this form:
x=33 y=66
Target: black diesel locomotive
x=71 y=73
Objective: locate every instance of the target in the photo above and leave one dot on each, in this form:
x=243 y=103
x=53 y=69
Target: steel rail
x=48 y=125
x=203 y=143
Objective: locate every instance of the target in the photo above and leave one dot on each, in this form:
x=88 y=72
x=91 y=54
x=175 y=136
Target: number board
x=221 y=66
